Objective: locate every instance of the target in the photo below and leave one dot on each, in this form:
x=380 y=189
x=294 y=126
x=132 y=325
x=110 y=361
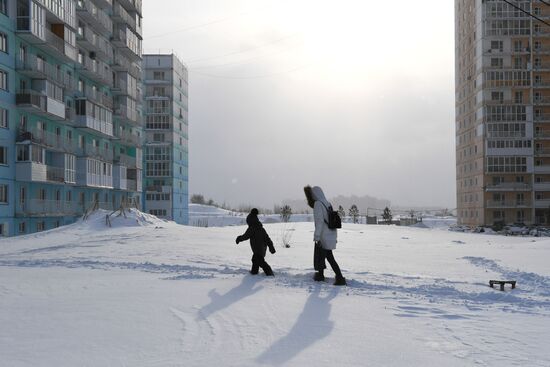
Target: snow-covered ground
x=151 y=293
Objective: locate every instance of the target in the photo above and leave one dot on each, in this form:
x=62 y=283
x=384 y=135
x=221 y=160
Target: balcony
x=542 y=204
x=132 y=5
x=94 y=16
x=491 y=204
x=90 y=151
x=120 y=15
x=121 y=63
x=93 y=173
x=97 y=71
x=94 y=125
x=36 y=34
x=128 y=138
x=48 y=208
x=127 y=114
x=508 y=186
x=542 y=152
x=39 y=172
x=96 y=97
x=542 y=186
x=543 y=117
x=120 y=181
x=127 y=161
x=128 y=43
x=104 y=3
x=541 y=84
x=544 y=169
x=38 y=103
x=47 y=139
x=92 y=42
x=541 y=101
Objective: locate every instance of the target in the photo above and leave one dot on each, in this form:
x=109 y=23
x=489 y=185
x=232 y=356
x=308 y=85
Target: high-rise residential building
x=70 y=101
x=166 y=133
x=502 y=112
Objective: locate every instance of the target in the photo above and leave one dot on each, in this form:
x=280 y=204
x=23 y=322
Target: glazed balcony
x=40 y=104
x=127 y=161
x=84 y=178
x=94 y=125
x=39 y=172
x=542 y=169
x=46 y=40
x=94 y=15
x=95 y=96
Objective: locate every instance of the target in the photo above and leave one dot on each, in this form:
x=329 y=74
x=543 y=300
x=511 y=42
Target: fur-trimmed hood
x=314 y=194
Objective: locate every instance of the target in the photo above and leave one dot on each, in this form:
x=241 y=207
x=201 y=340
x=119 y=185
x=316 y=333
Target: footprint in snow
x=404 y=238
x=460 y=242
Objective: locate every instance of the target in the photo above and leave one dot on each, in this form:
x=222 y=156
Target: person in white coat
x=324 y=238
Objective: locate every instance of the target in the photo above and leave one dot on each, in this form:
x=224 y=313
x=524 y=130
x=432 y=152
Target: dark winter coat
x=259 y=239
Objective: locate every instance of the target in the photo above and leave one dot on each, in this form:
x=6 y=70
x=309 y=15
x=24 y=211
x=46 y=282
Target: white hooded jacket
x=327 y=236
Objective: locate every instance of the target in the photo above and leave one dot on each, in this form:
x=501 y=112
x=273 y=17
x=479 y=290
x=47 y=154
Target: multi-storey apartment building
x=502 y=112
x=166 y=148
x=70 y=100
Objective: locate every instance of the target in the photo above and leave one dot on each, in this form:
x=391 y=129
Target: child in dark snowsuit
x=259 y=241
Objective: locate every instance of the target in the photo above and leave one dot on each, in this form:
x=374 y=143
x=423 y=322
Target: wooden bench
x=502 y=283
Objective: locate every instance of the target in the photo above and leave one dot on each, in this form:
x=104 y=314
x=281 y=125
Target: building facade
x=502 y=112
x=70 y=110
x=166 y=133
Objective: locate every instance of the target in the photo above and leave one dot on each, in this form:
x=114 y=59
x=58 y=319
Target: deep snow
x=147 y=292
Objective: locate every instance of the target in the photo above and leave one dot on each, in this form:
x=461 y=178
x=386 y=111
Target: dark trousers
x=259 y=262
x=319 y=256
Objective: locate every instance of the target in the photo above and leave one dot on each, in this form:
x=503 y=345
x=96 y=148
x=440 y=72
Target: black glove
x=272 y=250
x=237 y=240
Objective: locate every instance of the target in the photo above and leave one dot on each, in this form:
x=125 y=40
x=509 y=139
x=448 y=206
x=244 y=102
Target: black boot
x=340 y=280
x=319 y=276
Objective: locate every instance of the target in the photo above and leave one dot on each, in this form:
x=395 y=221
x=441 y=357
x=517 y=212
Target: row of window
x=158 y=197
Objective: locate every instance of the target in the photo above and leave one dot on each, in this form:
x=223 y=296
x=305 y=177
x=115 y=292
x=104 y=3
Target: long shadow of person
x=219 y=302
x=312 y=325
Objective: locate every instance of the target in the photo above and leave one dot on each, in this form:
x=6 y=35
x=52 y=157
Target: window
x=497 y=62
x=4 y=7
x=3 y=42
x=42 y=194
x=40 y=226
x=4 y=118
x=3 y=194
x=3 y=230
x=3 y=80
x=3 y=155
x=22 y=227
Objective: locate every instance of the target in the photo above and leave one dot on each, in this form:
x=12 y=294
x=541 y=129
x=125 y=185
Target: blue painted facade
x=74 y=111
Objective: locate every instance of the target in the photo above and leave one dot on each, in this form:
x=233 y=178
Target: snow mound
x=102 y=219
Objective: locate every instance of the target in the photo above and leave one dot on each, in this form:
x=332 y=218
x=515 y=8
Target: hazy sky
x=353 y=95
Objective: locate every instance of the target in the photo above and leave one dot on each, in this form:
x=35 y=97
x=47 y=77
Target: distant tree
x=387 y=216
x=286 y=213
x=211 y=202
x=412 y=213
x=197 y=199
x=354 y=213
x=341 y=212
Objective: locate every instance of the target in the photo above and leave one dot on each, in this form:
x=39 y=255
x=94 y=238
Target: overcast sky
x=353 y=95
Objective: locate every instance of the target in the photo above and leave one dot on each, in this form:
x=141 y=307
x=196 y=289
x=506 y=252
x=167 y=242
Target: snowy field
x=151 y=293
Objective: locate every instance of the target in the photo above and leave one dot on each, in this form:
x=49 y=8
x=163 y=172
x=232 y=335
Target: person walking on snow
x=324 y=238
x=259 y=241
